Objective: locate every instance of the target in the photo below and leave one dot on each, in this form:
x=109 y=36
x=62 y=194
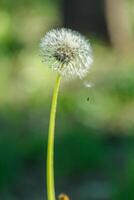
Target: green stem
x=50 y=148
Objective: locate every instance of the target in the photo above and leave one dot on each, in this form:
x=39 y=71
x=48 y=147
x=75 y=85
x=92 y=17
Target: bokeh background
x=94 y=144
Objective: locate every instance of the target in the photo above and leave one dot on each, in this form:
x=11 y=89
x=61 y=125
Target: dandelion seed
x=67 y=52
x=88 y=84
x=87 y=98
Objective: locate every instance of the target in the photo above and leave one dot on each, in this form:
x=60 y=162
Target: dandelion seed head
x=67 y=52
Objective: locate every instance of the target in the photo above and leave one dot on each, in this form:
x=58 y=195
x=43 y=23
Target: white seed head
x=67 y=52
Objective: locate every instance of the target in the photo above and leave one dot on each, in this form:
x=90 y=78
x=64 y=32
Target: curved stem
x=50 y=148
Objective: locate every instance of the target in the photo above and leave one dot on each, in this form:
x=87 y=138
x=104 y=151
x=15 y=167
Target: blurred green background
x=94 y=144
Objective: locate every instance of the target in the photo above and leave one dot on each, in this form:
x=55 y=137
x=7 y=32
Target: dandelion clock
x=69 y=54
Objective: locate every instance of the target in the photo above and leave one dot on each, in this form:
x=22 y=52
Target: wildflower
x=63 y=196
x=67 y=52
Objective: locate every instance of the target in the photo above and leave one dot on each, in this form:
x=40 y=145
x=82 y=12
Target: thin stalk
x=50 y=148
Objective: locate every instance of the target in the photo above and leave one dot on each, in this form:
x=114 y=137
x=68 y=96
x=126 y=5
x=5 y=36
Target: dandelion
x=63 y=197
x=69 y=53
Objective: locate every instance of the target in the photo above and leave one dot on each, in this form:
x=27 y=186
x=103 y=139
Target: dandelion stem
x=50 y=148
